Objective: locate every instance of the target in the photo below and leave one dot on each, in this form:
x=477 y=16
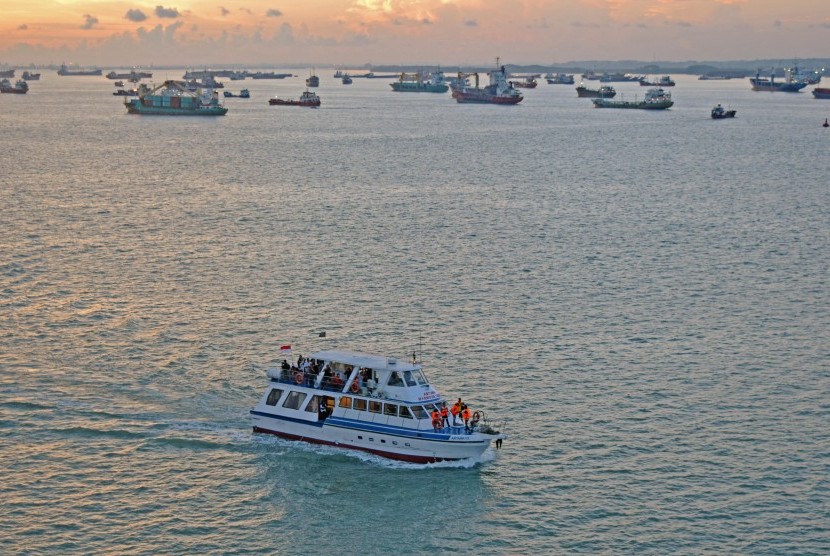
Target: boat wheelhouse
x=366 y=402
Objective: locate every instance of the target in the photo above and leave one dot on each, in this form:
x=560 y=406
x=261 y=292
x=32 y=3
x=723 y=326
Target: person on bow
x=436 y=420
x=455 y=410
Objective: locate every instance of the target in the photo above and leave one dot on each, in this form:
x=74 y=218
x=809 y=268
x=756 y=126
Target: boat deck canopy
x=366 y=360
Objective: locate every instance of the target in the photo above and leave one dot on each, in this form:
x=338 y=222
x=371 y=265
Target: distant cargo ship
x=419 y=83
x=173 y=99
x=66 y=71
x=790 y=84
x=655 y=99
x=499 y=91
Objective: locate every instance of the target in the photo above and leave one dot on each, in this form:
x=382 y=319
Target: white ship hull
x=389 y=441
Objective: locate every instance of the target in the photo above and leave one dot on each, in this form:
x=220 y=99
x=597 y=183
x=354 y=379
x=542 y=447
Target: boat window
x=374 y=407
x=395 y=379
x=419 y=412
x=346 y=402
x=405 y=413
x=273 y=397
x=293 y=400
x=390 y=409
x=421 y=378
x=407 y=376
x=313 y=404
x=360 y=404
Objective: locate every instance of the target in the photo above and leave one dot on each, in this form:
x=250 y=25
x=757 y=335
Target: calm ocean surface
x=644 y=295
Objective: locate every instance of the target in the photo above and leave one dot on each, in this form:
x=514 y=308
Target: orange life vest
x=444 y=411
x=466 y=414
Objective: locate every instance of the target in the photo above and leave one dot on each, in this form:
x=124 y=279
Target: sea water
x=640 y=299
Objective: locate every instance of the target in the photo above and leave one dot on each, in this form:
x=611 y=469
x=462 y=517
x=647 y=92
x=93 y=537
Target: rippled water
x=643 y=295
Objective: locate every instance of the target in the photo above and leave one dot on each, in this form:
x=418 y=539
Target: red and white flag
x=286 y=349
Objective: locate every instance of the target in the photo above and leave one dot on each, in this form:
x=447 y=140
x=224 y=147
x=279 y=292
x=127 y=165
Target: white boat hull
x=416 y=446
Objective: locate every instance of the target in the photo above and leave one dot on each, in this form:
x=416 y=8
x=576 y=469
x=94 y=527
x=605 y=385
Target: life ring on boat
x=298 y=378
x=355 y=387
x=476 y=417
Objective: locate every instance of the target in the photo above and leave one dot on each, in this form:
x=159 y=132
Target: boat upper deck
x=357 y=373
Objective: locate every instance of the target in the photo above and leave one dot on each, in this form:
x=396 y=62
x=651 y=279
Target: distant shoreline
x=731 y=68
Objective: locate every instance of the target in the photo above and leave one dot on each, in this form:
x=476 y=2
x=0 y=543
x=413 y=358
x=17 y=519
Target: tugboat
x=30 y=76
x=346 y=79
x=499 y=91
x=419 y=83
x=719 y=113
x=173 y=99
x=655 y=99
x=312 y=80
x=308 y=98
x=605 y=91
x=19 y=88
x=371 y=403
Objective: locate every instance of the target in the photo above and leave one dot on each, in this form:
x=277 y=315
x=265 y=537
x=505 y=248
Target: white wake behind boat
x=366 y=402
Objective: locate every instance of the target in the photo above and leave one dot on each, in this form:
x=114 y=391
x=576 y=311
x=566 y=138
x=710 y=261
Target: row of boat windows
x=294 y=400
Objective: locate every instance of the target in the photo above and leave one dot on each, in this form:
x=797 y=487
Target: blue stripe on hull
x=389 y=455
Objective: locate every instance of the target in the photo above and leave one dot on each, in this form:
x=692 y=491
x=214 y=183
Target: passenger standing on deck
x=455 y=410
x=436 y=420
x=465 y=414
x=445 y=415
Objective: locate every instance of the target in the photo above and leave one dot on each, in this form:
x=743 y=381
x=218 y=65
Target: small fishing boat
x=312 y=80
x=345 y=79
x=27 y=76
x=655 y=99
x=605 y=91
x=719 y=113
x=371 y=403
x=19 y=88
x=308 y=98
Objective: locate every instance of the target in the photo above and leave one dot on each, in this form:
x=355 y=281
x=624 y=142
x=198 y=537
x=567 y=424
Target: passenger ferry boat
x=366 y=402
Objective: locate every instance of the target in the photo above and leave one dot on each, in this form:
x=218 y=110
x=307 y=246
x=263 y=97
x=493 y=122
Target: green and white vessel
x=420 y=83
x=172 y=98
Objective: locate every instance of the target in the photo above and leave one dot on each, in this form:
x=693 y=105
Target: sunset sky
x=281 y=32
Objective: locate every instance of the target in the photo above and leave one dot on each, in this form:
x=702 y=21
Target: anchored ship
x=655 y=99
x=499 y=91
x=173 y=99
x=420 y=83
